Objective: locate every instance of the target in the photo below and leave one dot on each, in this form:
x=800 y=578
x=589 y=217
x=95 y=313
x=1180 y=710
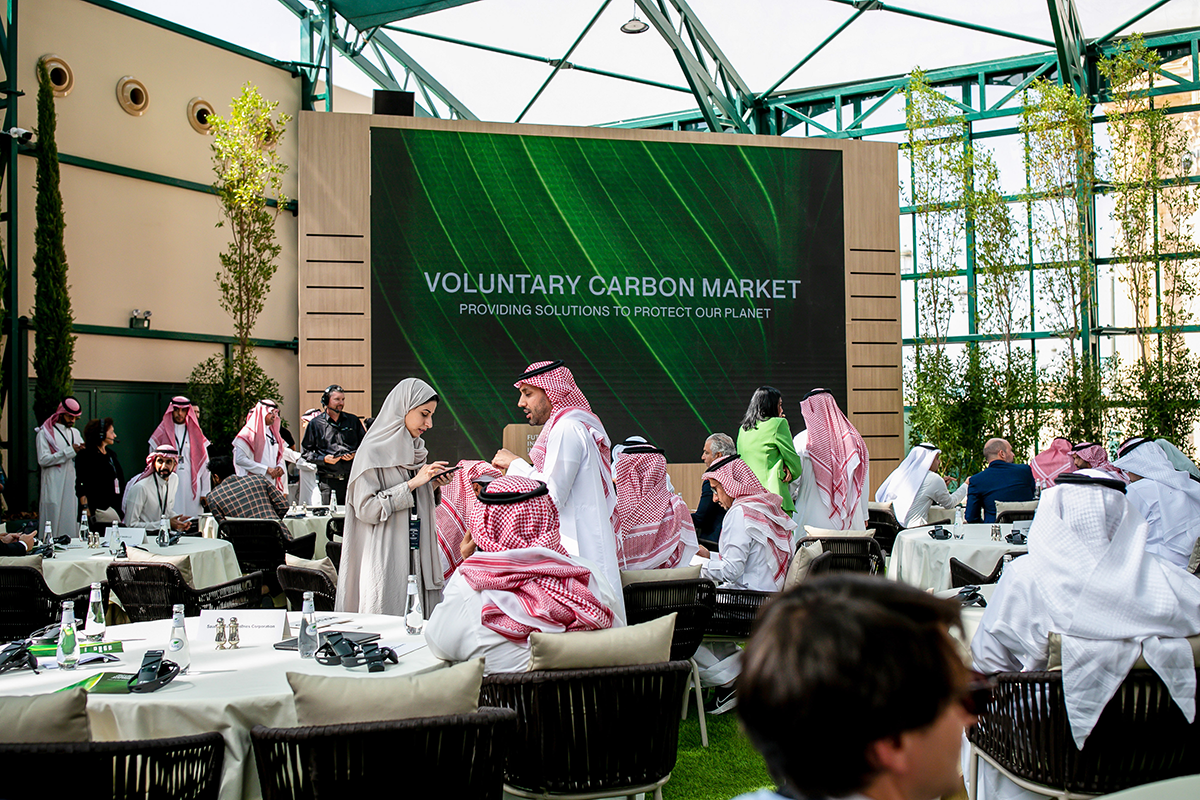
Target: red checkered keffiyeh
x=567 y=400
x=197 y=443
x=767 y=522
x=68 y=406
x=1052 y=462
x=1097 y=458
x=833 y=443
x=453 y=513
x=527 y=580
x=254 y=434
x=652 y=517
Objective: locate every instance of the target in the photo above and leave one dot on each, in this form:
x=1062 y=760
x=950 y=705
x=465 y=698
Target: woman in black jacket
x=98 y=474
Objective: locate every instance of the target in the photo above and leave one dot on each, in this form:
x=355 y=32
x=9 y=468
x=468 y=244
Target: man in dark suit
x=1002 y=480
x=17 y=544
x=708 y=516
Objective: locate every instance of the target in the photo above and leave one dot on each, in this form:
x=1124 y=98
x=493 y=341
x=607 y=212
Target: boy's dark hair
x=221 y=466
x=840 y=662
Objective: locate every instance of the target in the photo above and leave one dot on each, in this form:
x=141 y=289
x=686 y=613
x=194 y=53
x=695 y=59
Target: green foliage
x=249 y=170
x=1059 y=160
x=54 y=345
x=1153 y=206
x=220 y=388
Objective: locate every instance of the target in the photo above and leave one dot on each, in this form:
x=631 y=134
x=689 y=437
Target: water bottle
x=84 y=529
x=414 y=619
x=1004 y=562
x=958 y=522
x=114 y=537
x=333 y=503
x=67 y=654
x=93 y=629
x=48 y=536
x=179 y=649
x=308 y=639
x=164 y=531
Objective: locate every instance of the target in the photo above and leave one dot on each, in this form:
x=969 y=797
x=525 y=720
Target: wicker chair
x=692 y=602
x=333 y=548
x=295 y=581
x=460 y=756
x=591 y=733
x=183 y=768
x=735 y=613
x=963 y=575
x=821 y=565
x=262 y=544
x=850 y=553
x=1141 y=737
x=149 y=589
x=882 y=518
x=1008 y=517
x=27 y=604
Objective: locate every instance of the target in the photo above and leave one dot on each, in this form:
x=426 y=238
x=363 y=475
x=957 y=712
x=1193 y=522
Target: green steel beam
x=383 y=78
x=178 y=336
x=719 y=110
x=1144 y=12
x=143 y=175
x=1071 y=45
x=908 y=12
x=173 y=27
x=864 y=9
x=561 y=62
x=15 y=353
x=504 y=51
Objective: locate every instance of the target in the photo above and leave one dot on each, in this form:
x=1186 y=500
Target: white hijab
x=1088 y=576
x=389 y=444
x=901 y=487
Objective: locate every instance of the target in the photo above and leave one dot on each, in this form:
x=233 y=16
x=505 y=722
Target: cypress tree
x=54 y=345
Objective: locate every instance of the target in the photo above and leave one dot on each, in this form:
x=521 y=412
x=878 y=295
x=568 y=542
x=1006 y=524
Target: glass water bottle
x=94 y=627
x=308 y=639
x=67 y=654
x=179 y=649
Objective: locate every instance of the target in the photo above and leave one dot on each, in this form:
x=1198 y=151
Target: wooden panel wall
x=335 y=246
x=335 y=258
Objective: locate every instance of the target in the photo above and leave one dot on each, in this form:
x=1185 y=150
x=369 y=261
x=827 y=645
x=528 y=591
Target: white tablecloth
x=297 y=526
x=213 y=562
x=227 y=691
x=925 y=562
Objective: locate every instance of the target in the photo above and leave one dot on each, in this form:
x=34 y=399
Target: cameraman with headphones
x=330 y=442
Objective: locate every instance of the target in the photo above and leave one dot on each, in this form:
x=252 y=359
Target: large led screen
x=673 y=278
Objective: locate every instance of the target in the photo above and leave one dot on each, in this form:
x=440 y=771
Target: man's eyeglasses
x=979 y=691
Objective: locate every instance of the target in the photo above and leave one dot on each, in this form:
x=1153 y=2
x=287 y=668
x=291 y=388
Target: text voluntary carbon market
x=630 y=286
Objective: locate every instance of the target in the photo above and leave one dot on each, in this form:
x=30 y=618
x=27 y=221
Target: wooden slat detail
x=335 y=248
x=874 y=378
x=862 y=263
x=335 y=251
x=873 y=332
x=874 y=286
x=863 y=354
x=876 y=424
x=348 y=301
x=872 y=186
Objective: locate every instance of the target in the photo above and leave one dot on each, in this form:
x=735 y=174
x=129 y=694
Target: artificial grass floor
x=729 y=766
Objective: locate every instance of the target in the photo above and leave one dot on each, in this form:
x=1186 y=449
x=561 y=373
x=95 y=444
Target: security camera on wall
x=20 y=134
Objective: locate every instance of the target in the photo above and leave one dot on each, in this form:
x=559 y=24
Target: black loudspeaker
x=396 y=104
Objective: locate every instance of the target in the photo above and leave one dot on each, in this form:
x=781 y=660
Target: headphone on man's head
x=330 y=389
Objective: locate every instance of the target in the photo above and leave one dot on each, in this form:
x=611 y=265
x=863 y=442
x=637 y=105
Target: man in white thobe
x=1168 y=499
x=1087 y=558
x=57 y=445
x=832 y=490
x=258 y=449
x=915 y=486
x=180 y=428
x=756 y=546
x=571 y=456
x=152 y=496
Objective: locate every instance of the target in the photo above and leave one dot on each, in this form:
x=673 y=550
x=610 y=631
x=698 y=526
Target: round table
x=229 y=691
x=925 y=563
x=213 y=562
x=297 y=526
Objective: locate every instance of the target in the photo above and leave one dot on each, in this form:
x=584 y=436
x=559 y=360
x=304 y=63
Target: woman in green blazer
x=765 y=444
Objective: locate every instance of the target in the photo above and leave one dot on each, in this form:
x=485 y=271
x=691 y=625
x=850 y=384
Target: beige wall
x=136 y=244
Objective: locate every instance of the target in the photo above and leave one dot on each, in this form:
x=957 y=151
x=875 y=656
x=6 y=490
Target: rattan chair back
x=1140 y=737
x=148 y=590
x=821 y=565
x=295 y=581
x=886 y=526
x=27 y=604
x=1009 y=516
x=459 y=756
x=850 y=553
x=258 y=544
x=963 y=575
x=182 y=768
x=587 y=731
x=692 y=602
